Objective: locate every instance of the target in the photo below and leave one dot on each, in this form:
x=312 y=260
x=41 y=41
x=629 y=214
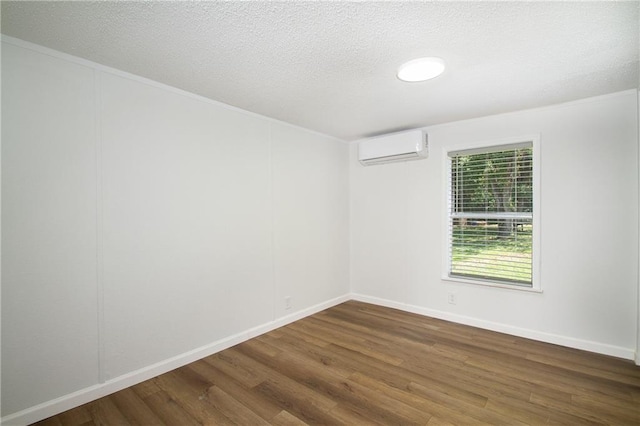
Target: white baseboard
x=67 y=402
x=570 y=342
x=75 y=399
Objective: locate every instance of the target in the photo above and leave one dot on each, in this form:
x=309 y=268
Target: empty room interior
x=321 y=212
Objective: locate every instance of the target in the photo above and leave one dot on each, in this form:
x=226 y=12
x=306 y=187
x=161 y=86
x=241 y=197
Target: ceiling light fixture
x=421 y=69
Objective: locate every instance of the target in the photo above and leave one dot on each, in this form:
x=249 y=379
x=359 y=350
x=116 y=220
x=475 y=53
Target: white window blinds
x=491 y=214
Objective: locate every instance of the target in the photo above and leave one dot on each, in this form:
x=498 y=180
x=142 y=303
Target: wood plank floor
x=363 y=364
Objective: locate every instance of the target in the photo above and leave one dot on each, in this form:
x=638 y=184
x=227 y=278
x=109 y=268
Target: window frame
x=480 y=146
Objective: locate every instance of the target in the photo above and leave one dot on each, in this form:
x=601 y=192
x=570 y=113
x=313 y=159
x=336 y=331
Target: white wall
x=589 y=228
x=311 y=201
x=49 y=317
x=638 y=316
x=144 y=227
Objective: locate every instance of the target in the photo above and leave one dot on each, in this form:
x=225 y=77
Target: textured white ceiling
x=330 y=66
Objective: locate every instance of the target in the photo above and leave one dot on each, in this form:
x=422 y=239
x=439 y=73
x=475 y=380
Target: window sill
x=492 y=284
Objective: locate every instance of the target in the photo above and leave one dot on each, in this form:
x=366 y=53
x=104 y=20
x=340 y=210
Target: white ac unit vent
x=405 y=146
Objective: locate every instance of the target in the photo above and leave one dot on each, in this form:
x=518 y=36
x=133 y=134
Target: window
x=490 y=215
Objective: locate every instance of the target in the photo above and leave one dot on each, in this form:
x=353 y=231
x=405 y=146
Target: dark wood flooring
x=359 y=364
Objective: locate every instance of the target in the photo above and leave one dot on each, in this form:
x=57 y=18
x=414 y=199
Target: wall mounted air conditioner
x=404 y=146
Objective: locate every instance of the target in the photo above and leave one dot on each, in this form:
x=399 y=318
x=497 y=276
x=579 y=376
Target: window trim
x=507 y=143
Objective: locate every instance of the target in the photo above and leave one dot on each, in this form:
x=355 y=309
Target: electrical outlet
x=451 y=298
x=287 y=302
